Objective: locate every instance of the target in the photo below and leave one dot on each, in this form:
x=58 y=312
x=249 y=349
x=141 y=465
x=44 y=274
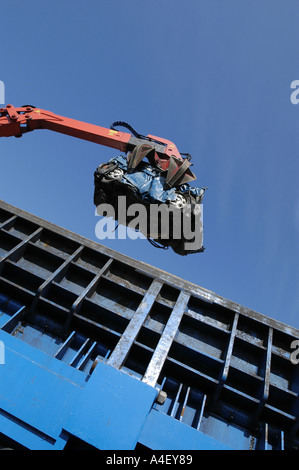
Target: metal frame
x=225 y=369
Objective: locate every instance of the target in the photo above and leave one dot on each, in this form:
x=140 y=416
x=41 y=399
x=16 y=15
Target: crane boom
x=163 y=180
x=16 y=121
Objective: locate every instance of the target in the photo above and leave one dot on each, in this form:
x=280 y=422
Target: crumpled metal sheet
x=150 y=183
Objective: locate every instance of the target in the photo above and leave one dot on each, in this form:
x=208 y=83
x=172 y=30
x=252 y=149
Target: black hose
x=156 y=245
x=128 y=126
x=140 y=136
x=134 y=132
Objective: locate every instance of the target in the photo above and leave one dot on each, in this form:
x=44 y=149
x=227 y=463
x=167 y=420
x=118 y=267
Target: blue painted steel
x=26 y=436
x=36 y=389
x=7 y=309
x=162 y=432
x=111 y=410
x=89 y=336
x=42 y=398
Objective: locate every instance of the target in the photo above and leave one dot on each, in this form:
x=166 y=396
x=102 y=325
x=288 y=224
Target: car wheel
x=114 y=175
x=180 y=202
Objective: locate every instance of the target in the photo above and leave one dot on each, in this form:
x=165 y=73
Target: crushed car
x=179 y=209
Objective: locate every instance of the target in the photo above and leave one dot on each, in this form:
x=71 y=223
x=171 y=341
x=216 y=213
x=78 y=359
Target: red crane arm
x=160 y=152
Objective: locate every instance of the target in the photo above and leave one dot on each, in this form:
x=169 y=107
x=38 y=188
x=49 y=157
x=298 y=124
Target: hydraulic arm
x=163 y=179
x=161 y=153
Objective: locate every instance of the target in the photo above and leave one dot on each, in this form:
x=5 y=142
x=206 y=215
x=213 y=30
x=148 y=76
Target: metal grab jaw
x=138 y=154
x=177 y=170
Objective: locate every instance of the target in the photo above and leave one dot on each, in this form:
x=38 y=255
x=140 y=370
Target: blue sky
x=212 y=76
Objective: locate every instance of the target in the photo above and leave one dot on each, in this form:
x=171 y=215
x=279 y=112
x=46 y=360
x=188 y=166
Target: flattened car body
x=179 y=224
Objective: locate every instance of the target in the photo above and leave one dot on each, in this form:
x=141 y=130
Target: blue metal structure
x=99 y=351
